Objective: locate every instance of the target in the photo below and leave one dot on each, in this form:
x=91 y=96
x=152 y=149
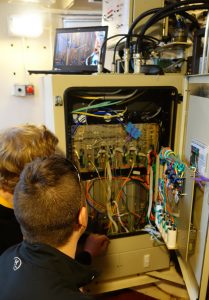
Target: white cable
x=109 y=214
x=119 y=217
x=108 y=204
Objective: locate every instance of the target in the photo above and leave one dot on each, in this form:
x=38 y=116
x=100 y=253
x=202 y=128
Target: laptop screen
x=78 y=49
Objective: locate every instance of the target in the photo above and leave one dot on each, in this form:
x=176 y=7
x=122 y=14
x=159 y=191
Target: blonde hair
x=20 y=145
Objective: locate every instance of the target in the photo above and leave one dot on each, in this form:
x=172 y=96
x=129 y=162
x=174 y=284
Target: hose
x=167 y=14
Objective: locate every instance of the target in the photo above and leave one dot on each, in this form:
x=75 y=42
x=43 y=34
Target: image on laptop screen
x=78 y=49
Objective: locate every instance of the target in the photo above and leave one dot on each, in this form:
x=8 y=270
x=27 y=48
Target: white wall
x=17 y=56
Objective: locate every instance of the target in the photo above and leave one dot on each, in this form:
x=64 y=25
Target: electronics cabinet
x=98 y=119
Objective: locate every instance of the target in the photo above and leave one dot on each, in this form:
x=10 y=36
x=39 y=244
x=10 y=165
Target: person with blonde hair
x=19 y=145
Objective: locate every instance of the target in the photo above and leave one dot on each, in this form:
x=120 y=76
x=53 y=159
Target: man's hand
x=96 y=244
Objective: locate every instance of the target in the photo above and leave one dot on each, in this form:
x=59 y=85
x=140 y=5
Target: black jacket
x=40 y=272
x=10 y=233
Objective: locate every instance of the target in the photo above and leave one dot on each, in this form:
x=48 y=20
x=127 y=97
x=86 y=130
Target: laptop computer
x=77 y=50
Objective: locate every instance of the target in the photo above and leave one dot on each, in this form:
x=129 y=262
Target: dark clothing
x=84 y=258
x=40 y=272
x=10 y=233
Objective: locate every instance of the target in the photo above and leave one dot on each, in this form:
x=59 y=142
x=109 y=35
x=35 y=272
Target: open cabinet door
x=195 y=269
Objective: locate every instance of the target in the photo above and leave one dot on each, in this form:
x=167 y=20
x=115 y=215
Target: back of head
x=47 y=200
x=20 y=145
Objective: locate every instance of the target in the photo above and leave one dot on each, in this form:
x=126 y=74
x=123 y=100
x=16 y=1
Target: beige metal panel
x=200 y=221
x=125 y=260
x=55 y=86
x=140 y=6
x=133 y=243
x=130 y=263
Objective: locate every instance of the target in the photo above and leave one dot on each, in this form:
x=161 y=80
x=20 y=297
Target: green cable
x=106 y=103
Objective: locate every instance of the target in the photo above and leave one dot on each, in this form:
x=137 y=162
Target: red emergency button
x=29 y=89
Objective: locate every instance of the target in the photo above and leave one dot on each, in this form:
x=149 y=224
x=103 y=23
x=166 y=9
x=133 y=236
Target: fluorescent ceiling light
x=27 y=25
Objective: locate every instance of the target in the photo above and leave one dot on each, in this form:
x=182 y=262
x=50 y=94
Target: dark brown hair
x=47 y=200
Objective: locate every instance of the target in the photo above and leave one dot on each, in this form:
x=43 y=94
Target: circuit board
x=93 y=145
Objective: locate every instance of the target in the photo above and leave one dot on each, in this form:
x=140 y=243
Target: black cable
x=137 y=20
x=191 y=18
x=153 y=38
x=167 y=14
x=145 y=14
x=169 y=8
x=115 y=48
x=146 y=37
x=105 y=42
x=146 y=46
x=156 y=12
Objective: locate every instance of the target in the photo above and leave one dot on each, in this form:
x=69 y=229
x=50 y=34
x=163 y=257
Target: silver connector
x=126 y=60
x=113 y=68
x=137 y=63
x=99 y=68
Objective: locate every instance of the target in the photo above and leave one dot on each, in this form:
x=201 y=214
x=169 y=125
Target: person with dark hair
x=49 y=205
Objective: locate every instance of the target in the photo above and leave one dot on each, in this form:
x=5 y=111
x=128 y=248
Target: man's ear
x=83 y=217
